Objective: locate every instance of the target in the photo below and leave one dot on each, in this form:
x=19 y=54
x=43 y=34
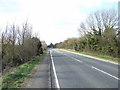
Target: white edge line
x=93 y=66
x=92 y=57
x=54 y=70
x=105 y=73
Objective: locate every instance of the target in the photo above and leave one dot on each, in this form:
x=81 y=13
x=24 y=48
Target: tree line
x=19 y=45
x=98 y=34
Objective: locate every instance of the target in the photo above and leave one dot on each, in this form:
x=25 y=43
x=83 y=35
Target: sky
x=52 y=20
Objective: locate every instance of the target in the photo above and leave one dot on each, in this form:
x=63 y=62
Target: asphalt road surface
x=77 y=71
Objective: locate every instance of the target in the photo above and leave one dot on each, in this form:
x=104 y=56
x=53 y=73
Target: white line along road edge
x=54 y=71
x=100 y=59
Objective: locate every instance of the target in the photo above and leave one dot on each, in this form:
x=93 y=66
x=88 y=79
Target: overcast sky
x=52 y=20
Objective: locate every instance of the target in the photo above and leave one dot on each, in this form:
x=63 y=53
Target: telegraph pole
x=119 y=29
x=118 y=42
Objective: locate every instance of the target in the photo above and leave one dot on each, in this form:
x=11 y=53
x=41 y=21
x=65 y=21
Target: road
x=77 y=71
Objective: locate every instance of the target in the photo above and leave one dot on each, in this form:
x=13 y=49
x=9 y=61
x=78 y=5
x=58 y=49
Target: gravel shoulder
x=41 y=76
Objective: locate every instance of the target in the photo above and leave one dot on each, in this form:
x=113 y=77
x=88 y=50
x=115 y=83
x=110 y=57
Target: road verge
x=15 y=79
x=98 y=57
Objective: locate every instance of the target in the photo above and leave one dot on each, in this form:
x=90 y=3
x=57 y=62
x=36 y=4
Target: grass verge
x=96 y=55
x=15 y=79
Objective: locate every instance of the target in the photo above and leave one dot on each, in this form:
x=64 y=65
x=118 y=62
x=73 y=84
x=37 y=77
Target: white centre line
x=105 y=73
x=55 y=74
x=94 y=58
x=77 y=60
x=97 y=69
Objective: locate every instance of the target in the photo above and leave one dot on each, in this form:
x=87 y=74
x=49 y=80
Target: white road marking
x=93 y=66
x=58 y=51
x=105 y=73
x=71 y=57
x=74 y=58
x=93 y=57
x=77 y=60
x=55 y=74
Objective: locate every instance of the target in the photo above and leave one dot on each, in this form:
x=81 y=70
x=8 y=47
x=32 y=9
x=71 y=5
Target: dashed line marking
x=99 y=59
x=95 y=67
x=105 y=72
x=77 y=59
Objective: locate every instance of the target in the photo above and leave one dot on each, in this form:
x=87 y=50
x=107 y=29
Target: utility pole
x=119 y=29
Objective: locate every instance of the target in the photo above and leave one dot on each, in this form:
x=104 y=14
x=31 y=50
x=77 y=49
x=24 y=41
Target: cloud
x=54 y=20
x=113 y=0
x=9 y=6
x=45 y=16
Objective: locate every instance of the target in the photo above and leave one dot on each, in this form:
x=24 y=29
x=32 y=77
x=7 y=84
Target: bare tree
x=99 y=21
x=26 y=31
x=18 y=45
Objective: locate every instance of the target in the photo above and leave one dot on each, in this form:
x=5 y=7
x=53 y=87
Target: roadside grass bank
x=16 y=79
x=96 y=55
